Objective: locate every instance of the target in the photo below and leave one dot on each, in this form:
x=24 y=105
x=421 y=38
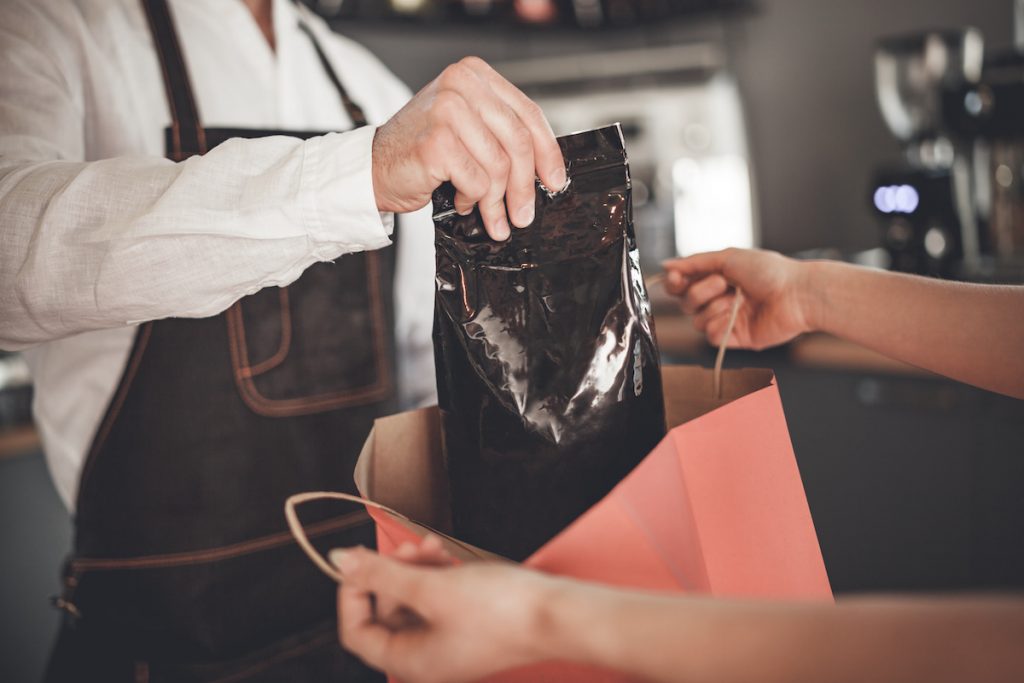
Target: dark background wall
x=806 y=73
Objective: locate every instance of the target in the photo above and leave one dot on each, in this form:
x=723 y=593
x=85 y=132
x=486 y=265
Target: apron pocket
x=317 y=345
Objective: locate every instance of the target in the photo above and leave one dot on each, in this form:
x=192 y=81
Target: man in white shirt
x=197 y=355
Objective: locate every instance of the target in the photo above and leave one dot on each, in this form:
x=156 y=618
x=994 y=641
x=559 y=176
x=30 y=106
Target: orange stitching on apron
x=328 y=526
x=300 y=649
x=283 y=346
x=118 y=402
x=261 y=405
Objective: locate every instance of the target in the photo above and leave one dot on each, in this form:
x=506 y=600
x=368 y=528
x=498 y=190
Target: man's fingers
x=499 y=139
x=517 y=144
x=548 y=161
x=492 y=211
x=703 y=291
x=463 y=204
x=473 y=183
x=491 y=155
x=469 y=178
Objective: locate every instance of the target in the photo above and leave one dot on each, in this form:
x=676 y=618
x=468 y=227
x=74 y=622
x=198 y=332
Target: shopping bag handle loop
x=295 y=526
x=736 y=302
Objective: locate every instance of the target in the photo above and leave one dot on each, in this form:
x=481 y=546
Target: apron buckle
x=63 y=601
x=66 y=605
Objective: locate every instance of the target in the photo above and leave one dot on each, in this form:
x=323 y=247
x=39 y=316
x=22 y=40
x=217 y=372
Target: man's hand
x=471 y=127
x=778 y=300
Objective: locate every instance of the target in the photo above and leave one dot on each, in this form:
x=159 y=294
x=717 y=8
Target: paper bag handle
x=300 y=533
x=655 y=279
x=737 y=300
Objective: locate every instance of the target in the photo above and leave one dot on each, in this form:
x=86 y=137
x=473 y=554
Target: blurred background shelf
x=17 y=441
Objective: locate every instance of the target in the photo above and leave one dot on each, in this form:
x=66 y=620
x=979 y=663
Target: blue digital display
x=896 y=199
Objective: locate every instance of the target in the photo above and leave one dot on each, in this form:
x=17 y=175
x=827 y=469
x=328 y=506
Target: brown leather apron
x=183 y=568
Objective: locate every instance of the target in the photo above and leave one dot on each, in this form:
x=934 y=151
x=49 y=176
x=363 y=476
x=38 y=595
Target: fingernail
x=345 y=560
x=526 y=215
x=674 y=278
x=558 y=175
x=464 y=212
x=500 y=230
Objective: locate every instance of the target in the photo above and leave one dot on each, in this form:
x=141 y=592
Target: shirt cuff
x=336 y=193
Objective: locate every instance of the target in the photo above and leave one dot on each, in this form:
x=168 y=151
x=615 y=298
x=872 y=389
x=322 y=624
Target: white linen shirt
x=98 y=232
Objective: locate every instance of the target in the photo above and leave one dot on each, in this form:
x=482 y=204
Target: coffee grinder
x=925 y=228
x=955 y=208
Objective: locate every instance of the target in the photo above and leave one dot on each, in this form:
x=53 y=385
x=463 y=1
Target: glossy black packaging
x=547 y=369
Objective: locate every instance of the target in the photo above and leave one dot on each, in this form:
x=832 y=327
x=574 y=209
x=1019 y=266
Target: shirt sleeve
x=92 y=245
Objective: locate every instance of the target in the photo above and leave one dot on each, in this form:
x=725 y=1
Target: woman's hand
x=778 y=299
x=472 y=127
x=428 y=553
x=458 y=623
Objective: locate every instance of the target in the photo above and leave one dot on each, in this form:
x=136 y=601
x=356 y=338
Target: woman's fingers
x=388 y=611
x=431 y=552
x=703 y=291
x=697 y=265
x=714 y=309
x=365 y=569
x=358 y=629
x=716 y=331
x=675 y=282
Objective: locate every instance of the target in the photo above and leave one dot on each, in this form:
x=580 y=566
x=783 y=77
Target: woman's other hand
x=778 y=298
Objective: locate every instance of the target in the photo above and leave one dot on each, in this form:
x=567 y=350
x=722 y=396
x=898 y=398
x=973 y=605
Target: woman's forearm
x=972 y=333
x=699 y=640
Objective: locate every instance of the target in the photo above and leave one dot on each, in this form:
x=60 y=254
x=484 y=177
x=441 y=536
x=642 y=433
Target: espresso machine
x=955 y=207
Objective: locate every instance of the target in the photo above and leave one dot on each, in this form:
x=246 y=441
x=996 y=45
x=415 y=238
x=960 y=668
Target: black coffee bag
x=547 y=368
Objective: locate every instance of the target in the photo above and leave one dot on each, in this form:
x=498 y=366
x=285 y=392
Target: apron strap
x=187 y=134
x=355 y=112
